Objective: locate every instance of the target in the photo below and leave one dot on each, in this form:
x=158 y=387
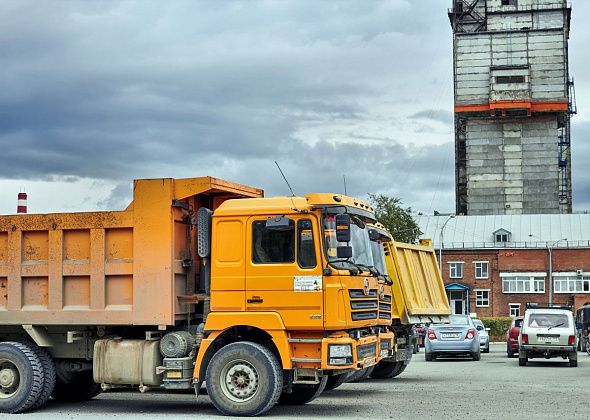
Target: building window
x=510 y=79
x=502 y=236
x=514 y=309
x=509 y=2
x=482 y=298
x=481 y=269
x=456 y=270
x=571 y=284
x=521 y=283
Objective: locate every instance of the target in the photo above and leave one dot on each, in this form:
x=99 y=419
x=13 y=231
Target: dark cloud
x=112 y=91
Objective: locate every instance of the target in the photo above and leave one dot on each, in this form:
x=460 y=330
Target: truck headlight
x=340 y=350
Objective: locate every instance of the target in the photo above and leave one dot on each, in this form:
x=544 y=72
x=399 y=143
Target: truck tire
x=244 y=379
x=302 y=394
x=81 y=387
x=21 y=377
x=359 y=375
x=49 y=376
x=388 y=370
x=335 y=381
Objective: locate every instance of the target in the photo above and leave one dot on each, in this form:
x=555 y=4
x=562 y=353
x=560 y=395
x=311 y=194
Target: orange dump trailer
x=198 y=280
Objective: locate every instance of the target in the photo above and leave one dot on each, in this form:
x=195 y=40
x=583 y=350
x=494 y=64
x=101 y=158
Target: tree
x=397 y=220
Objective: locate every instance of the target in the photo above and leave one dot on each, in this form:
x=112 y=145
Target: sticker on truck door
x=307 y=283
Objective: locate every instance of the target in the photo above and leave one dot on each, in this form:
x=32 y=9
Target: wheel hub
x=240 y=381
x=9 y=379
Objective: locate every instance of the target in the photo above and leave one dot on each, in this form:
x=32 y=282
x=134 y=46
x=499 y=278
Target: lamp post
x=452 y=216
x=550 y=251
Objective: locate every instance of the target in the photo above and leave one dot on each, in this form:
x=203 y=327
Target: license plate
x=450 y=335
x=551 y=340
x=174 y=374
x=370 y=362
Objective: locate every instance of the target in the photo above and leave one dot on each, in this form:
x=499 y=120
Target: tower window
x=509 y=2
x=509 y=79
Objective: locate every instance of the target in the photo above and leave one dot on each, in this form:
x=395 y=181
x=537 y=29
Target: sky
x=96 y=94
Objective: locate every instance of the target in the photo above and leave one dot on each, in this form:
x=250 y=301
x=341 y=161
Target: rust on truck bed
x=133 y=267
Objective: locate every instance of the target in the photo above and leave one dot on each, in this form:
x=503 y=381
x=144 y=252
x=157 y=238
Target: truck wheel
x=48 y=376
x=522 y=361
x=81 y=387
x=335 y=381
x=21 y=377
x=302 y=394
x=244 y=379
x=359 y=375
x=428 y=357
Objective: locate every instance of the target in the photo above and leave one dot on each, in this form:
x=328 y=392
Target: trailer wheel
x=244 y=379
x=48 y=376
x=81 y=387
x=386 y=370
x=302 y=394
x=21 y=377
x=359 y=375
x=335 y=381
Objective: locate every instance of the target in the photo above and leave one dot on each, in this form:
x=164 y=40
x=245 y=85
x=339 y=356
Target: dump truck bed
x=418 y=289
x=133 y=267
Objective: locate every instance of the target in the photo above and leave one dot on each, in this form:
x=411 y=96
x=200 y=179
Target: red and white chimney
x=21 y=207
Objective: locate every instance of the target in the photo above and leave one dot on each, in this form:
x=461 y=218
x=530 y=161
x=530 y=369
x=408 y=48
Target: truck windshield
x=379 y=257
x=359 y=241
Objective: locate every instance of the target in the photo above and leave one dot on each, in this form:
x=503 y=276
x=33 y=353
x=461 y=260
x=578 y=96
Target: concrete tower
x=513 y=103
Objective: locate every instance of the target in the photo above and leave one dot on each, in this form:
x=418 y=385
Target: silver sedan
x=459 y=337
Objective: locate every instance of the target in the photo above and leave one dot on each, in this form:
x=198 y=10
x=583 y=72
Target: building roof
x=526 y=230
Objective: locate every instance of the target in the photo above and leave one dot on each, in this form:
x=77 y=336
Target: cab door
x=283 y=269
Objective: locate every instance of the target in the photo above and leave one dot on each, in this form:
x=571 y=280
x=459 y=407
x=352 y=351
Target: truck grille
x=385 y=307
x=364 y=307
x=366 y=350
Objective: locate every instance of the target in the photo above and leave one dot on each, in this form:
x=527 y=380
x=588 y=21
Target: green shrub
x=498 y=326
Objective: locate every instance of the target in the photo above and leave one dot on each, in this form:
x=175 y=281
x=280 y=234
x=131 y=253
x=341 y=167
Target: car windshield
x=379 y=257
x=359 y=241
x=459 y=320
x=547 y=320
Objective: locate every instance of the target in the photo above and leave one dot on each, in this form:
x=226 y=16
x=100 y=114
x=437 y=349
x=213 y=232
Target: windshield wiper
x=352 y=270
x=556 y=325
x=371 y=270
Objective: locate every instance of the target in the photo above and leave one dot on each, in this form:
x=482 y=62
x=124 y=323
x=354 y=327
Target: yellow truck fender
x=219 y=323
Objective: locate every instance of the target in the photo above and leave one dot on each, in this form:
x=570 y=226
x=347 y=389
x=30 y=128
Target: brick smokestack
x=22 y=203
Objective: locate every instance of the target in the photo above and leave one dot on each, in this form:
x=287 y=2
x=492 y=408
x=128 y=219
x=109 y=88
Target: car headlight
x=340 y=350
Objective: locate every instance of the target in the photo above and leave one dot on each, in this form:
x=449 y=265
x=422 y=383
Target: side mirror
x=373 y=235
x=343 y=228
x=344 y=252
x=280 y=224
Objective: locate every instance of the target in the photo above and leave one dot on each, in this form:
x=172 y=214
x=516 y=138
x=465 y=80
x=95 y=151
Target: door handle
x=255 y=299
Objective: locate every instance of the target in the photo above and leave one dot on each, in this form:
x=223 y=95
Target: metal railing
x=514 y=245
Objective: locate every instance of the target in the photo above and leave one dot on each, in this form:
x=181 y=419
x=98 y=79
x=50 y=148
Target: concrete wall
x=512 y=166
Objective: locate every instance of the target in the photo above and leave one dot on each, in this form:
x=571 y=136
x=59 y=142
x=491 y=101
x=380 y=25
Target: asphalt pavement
x=493 y=388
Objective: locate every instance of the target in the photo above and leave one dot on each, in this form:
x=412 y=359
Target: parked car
x=583 y=326
x=547 y=332
x=484 y=337
x=459 y=337
x=512 y=336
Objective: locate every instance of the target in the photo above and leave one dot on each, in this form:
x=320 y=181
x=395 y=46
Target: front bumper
x=364 y=354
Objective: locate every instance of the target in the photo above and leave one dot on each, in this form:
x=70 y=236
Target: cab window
x=306 y=248
x=271 y=246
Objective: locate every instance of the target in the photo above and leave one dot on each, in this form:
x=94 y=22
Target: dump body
x=131 y=267
x=418 y=289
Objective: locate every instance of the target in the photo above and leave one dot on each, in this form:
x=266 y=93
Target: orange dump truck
x=197 y=280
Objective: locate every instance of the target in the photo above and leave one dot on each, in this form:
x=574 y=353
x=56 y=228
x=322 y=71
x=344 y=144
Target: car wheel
x=244 y=379
x=510 y=352
x=487 y=349
x=573 y=356
x=428 y=357
x=522 y=361
x=476 y=356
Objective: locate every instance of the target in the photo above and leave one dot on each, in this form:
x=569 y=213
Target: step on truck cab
x=198 y=280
